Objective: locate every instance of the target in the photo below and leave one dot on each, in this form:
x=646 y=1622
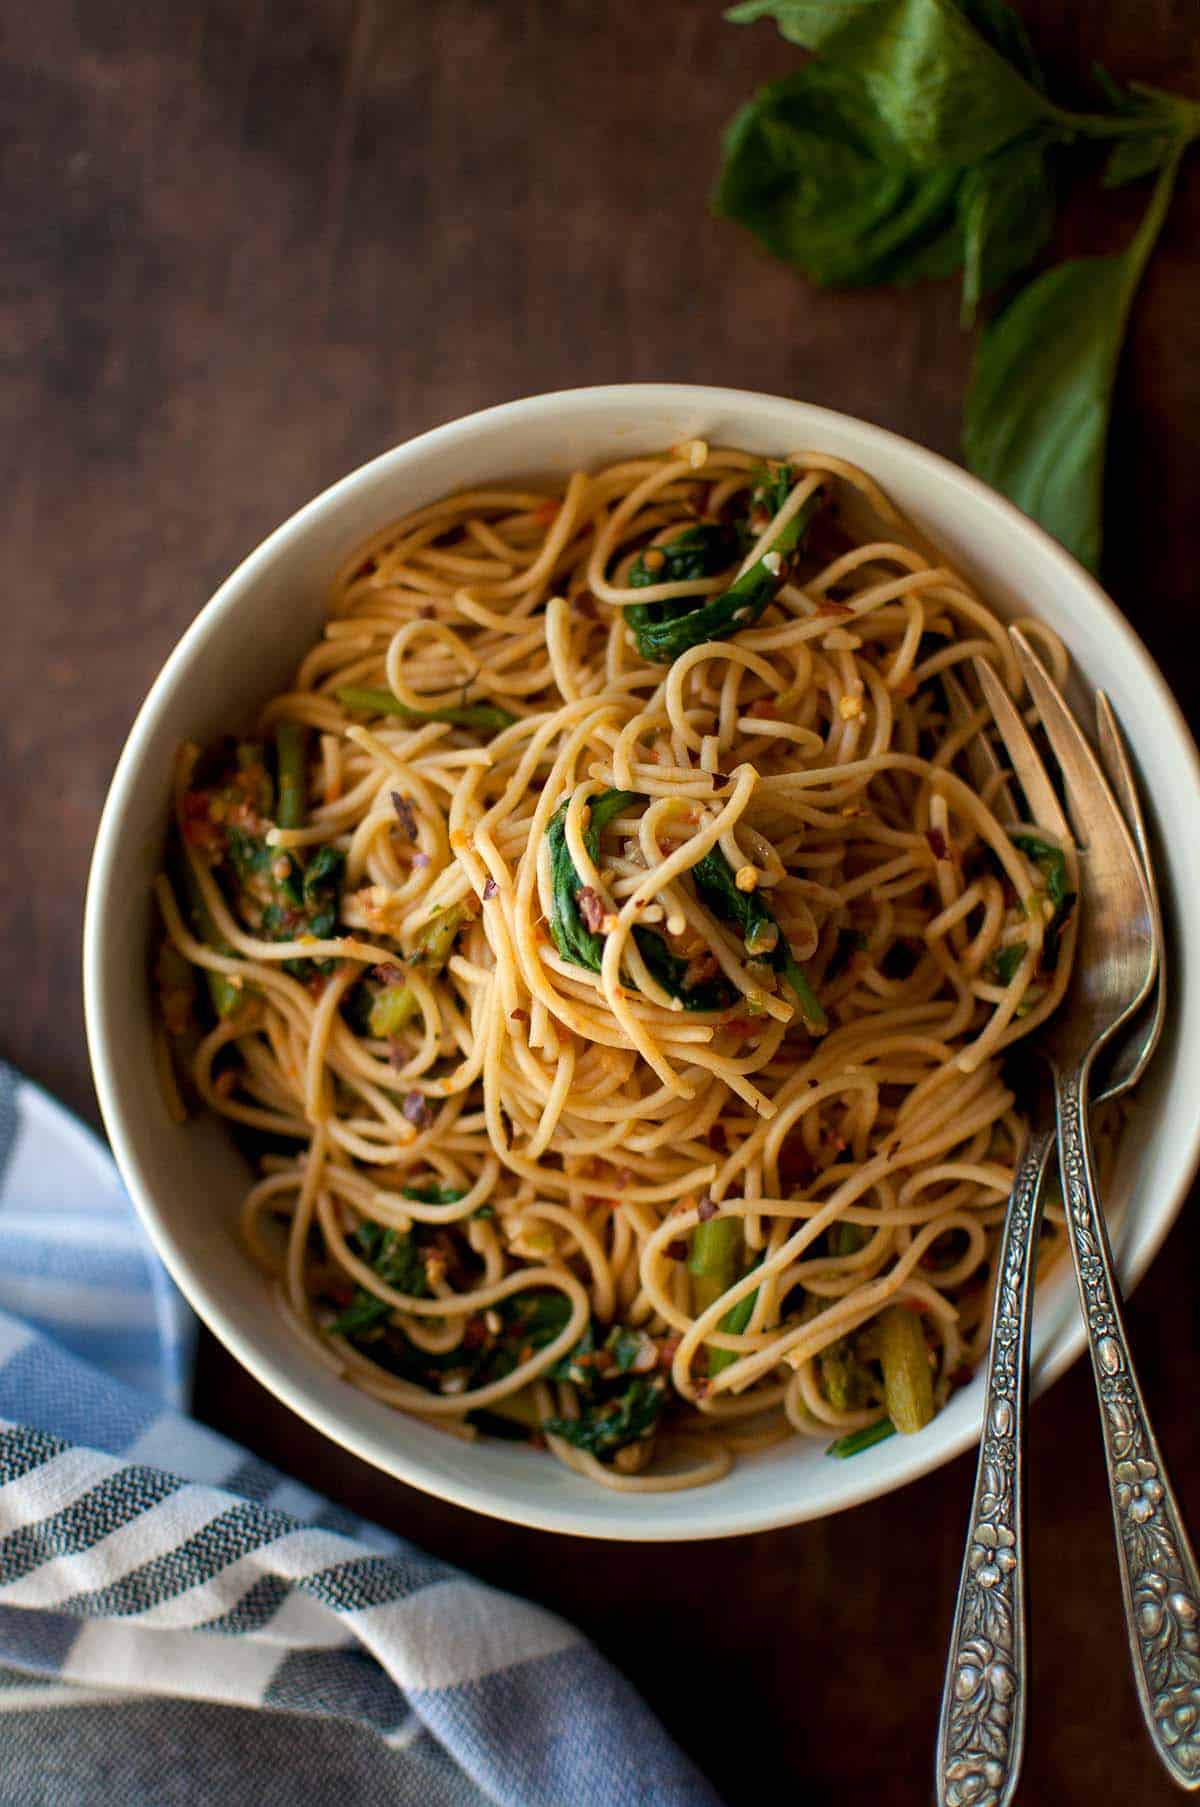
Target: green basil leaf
x=951 y=84
x=811 y=169
x=1005 y=961
x=583 y=946
x=1006 y=33
x=1037 y=410
x=698 y=552
x=1156 y=123
x=1132 y=158
x=664 y=631
x=397 y=1258
x=1006 y=207
x=607 y=1425
x=716 y=887
x=572 y=937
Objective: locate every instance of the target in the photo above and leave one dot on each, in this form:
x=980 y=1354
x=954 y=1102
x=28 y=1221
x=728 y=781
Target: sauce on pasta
x=610 y=951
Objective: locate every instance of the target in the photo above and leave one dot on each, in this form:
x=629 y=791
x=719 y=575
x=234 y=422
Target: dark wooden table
x=256 y=243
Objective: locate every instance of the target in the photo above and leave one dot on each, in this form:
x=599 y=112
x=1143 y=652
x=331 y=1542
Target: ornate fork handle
x=981 y=1734
x=1159 y=1578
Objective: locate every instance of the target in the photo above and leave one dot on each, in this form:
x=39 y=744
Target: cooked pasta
x=611 y=942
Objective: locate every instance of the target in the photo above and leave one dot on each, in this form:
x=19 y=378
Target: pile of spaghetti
x=610 y=952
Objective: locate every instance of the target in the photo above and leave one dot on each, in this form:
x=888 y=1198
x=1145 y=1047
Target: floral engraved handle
x=1158 y=1570
x=982 y=1729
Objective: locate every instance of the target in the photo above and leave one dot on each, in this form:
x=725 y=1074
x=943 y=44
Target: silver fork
x=982 y=1725
x=1160 y=1583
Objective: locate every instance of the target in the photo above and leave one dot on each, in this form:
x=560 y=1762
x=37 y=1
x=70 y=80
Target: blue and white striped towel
x=156 y=1581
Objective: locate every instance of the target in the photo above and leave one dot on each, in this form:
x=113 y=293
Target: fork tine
x=987 y=774
x=1114 y=756
x=1097 y=818
x=1027 y=764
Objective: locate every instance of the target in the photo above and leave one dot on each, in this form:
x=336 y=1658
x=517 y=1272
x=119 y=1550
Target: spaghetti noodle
x=608 y=947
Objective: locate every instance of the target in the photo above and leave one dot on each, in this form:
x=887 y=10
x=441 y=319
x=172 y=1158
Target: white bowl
x=187 y=1182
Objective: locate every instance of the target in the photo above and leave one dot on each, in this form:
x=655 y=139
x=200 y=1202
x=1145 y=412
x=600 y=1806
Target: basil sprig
x=921 y=140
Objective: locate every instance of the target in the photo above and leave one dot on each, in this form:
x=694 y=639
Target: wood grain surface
x=249 y=244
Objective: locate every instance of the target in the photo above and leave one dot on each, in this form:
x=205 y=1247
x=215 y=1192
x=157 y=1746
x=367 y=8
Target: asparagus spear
x=252 y=757
x=394 y=1006
x=712 y=1269
x=734 y=1321
x=712 y=1260
x=854 y=1442
x=435 y=938
x=225 y=995
x=907 y=1381
x=846 y=1381
x=464 y=715
x=291 y=751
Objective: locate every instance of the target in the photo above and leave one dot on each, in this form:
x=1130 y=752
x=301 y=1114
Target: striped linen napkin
x=156 y=1581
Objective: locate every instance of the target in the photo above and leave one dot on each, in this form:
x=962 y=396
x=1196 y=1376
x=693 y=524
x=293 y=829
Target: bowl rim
x=288 y=1385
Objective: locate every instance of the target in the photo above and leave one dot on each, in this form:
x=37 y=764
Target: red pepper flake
x=677 y=1250
x=667 y=1350
x=708 y=1208
x=917 y=1306
x=427 y=612
x=591 y=908
x=937 y=843
x=546 y=512
x=831 y=606
x=416 y=1110
x=388 y=974
x=518 y=1016
x=490 y=888
x=406 y=815
x=315 y=986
